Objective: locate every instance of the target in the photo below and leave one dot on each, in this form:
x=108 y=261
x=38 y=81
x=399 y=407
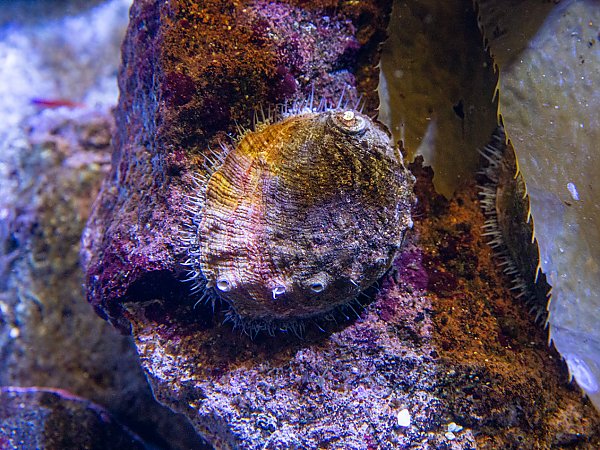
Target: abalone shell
x=301 y=216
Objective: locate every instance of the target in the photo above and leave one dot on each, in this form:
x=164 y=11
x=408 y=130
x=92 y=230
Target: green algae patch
x=437 y=87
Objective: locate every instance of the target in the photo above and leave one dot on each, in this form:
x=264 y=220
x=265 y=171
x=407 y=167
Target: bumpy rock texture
x=52 y=162
x=50 y=336
x=441 y=336
x=32 y=418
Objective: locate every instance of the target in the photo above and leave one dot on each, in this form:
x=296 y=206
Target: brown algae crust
x=222 y=59
x=301 y=216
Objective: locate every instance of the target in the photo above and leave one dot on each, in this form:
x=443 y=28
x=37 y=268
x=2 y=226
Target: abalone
x=301 y=216
x=509 y=224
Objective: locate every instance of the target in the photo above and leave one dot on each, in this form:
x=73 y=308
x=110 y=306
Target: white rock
x=454 y=428
x=404 y=418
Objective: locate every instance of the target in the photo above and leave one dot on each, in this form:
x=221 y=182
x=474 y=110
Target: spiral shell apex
x=301 y=216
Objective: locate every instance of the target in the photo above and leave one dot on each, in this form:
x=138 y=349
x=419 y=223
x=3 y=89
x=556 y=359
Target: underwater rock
x=50 y=336
x=439 y=337
x=549 y=63
x=34 y=418
x=52 y=162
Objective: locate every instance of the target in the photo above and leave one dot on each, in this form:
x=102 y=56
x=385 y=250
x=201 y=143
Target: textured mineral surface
x=438 y=354
x=52 y=161
x=50 y=336
x=441 y=336
x=33 y=418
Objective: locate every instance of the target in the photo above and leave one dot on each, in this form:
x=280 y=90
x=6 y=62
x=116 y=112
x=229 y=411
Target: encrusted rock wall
x=55 y=148
x=440 y=340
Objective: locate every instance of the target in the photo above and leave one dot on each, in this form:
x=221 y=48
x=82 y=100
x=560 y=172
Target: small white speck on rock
x=450 y=436
x=404 y=418
x=573 y=191
x=454 y=428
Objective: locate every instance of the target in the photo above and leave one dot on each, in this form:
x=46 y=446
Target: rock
x=51 y=336
x=426 y=339
x=52 y=162
x=32 y=418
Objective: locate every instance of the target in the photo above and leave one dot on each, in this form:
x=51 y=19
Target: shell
x=505 y=203
x=300 y=217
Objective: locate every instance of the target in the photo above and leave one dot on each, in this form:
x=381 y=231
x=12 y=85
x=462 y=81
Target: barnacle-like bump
x=317 y=283
x=299 y=217
x=348 y=122
x=277 y=291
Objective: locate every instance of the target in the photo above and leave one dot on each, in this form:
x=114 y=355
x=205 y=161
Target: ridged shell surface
x=301 y=216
